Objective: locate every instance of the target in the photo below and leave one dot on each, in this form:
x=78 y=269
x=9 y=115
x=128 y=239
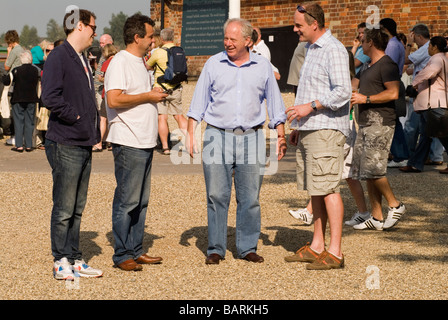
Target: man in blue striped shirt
x=321 y=115
x=230 y=97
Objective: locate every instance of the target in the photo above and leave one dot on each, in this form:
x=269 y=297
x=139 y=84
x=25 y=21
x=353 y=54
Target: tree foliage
x=115 y=29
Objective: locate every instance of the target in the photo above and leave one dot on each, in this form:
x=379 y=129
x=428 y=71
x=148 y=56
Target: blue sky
x=14 y=14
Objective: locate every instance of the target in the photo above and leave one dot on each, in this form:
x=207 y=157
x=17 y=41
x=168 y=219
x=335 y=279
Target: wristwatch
x=313 y=105
x=368 y=99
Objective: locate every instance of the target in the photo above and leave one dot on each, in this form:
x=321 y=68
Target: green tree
x=54 y=31
x=115 y=29
x=29 y=37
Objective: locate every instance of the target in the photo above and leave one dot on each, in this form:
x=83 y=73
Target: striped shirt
x=325 y=76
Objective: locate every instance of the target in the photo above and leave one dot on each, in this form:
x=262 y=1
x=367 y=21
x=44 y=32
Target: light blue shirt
x=325 y=76
x=229 y=97
x=395 y=50
x=420 y=58
x=361 y=57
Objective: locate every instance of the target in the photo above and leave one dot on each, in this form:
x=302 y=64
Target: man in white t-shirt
x=132 y=115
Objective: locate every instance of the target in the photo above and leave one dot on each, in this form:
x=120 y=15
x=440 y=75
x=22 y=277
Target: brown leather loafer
x=130 y=265
x=409 y=169
x=145 y=259
x=253 y=257
x=444 y=171
x=213 y=258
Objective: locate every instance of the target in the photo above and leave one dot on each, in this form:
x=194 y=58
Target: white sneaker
x=62 y=270
x=11 y=141
x=303 y=215
x=393 y=216
x=393 y=164
x=358 y=218
x=369 y=224
x=83 y=270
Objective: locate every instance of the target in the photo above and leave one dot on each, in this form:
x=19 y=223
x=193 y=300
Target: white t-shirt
x=135 y=126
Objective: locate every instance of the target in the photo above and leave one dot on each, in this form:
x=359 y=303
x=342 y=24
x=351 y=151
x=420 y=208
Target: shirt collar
x=322 y=40
x=253 y=58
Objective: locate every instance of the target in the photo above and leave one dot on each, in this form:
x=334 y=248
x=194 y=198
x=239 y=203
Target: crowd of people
x=346 y=120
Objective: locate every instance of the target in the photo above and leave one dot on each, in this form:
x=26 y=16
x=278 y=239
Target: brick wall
x=342 y=17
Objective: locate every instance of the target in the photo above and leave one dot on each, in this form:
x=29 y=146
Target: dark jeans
x=71 y=166
x=23 y=115
x=133 y=175
x=422 y=150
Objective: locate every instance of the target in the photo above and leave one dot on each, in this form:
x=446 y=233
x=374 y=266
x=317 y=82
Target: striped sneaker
x=326 y=261
x=83 y=270
x=303 y=215
x=369 y=224
x=63 y=270
x=393 y=216
x=357 y=218
x=304 y=254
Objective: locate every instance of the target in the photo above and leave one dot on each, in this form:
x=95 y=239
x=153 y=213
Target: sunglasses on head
x=303 y=10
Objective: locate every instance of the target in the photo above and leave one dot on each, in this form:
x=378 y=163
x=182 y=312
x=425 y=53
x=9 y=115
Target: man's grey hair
x=246 y=27
x=26 y=57
x=167 y=34
x=421 y=29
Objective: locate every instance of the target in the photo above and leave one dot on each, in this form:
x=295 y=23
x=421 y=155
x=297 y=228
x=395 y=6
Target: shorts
x=371 y=151
x=320 y=160
x=172 y=104
x=103 y=112
x=347 y=171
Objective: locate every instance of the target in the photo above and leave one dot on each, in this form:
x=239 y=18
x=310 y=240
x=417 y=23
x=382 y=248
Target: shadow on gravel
x=283 y=238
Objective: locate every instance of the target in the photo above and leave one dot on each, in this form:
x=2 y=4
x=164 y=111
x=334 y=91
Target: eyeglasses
x=93 y=27
x=303 y=10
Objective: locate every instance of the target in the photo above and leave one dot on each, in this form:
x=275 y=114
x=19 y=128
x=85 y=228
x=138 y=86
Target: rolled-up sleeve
x=201 y=96
x=339 y=80
x=274 y=101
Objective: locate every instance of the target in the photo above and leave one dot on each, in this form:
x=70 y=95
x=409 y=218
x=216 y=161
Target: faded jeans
x=71 y=166
x=227 y=155
x=133 y=176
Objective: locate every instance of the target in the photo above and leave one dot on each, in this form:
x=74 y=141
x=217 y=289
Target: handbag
x=437 y=118
x=42 y=119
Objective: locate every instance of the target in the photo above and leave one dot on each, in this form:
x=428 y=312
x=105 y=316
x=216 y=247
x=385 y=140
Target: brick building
x=342 y=17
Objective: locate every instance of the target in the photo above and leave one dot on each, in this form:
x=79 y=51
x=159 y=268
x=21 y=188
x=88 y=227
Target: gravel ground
x=408 y=261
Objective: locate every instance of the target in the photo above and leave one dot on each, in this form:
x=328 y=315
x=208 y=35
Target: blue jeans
x=133 y=176
x=71 y=167
x=23 y=115
x=423 y=147
x=399 y=147
x=226 y=154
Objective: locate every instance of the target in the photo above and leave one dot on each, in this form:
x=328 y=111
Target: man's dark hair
x=84 y=17
x=135 y=25
x=315 y=12
x=362 y=25
x=422 y=30
x=390 y=25
x=378 y=37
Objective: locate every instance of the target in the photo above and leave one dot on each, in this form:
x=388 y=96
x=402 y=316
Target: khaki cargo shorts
x=320 y=161
x=172 y=104
x=371 y=151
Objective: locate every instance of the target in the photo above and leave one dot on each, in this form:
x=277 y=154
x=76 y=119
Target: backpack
x=176 y=67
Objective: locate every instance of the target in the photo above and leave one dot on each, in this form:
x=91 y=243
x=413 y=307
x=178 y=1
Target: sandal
x=166 y=151
x=96 y=149
x=17 y=149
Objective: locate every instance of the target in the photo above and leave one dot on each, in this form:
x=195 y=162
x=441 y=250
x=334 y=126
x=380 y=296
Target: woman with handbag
x=431 y=83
